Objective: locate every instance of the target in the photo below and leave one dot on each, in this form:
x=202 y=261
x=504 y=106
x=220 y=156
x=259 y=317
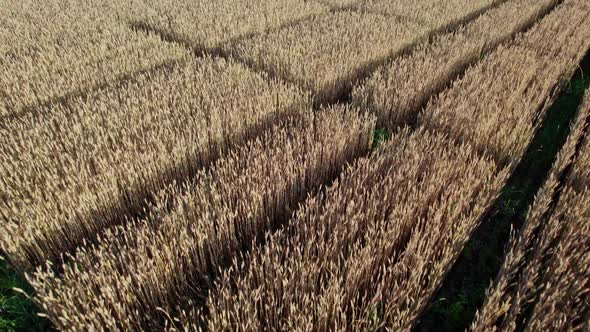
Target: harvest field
x=306 y=165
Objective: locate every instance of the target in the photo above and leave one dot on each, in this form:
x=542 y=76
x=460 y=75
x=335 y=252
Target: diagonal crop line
x=494 y=230
x=226 y=218
x=129 y=181
x=436 y=65
x=369 y=68
x=122 y=80
x=344 y=96
x=200 y=52
x=365 y=70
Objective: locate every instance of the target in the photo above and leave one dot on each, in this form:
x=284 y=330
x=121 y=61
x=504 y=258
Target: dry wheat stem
x=546 y=265
x=397 y=91
x=81 y=166
x=166 y=262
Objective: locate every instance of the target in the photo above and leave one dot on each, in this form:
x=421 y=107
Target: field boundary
x=460 y=295
x=127 y=78
x=364 y=70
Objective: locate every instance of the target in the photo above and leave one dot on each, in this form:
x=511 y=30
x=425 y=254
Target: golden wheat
x=61 y=48
x=357 y=242
x=54 y=70
x=28 y=23
x=206 y=25
x=499 y=103
x=332 y=269
x=564 y=300
x=165 y=263
x=144 y=185
x=77 y=167
x=342 y=4
x=398 y=90
x=436 y=13
x=564 y=287
x=327 y=54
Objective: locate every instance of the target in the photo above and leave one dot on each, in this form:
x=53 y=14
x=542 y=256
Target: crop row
x=324 y=51
x=547 y=264
x=360 y=255
x=158 y=199
x=374 y=249
x=499 y=102
x=206 y=25
x=26 y=24
x=329 y=54
x=164 y=263
x=74 y=166
x=79 y=166
x=84 y=47
x=437 y=14
x=61 y=48
x=397 y=91
x=53 y=71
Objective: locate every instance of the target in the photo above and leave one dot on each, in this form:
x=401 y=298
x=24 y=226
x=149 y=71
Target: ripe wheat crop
x=206 y=25
x=54 y=50
x=193 y=229
x=196 y=165
x=341 y=4
x=302 y=278
x=355 y=248
x=28 y=24
x=547 y=266
x=76 y=167
x=499 y=102
x=33 y=77
x=398 y=90
x=327 y=54
x=436 y=14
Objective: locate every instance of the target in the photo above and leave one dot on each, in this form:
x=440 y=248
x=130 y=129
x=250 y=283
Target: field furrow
x=206 y=25
x=328 y=54
x=499 y=102
x=462 y=292
x=543 y=283
x=294 y=165
x=436 y=14
x=350 y=252
x=375 y=248
x=51 y=71
x=397 y=91
x=80 y=166
x=140 y=275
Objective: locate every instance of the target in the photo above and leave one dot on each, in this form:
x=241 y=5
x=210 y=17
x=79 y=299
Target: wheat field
x=288 y=165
